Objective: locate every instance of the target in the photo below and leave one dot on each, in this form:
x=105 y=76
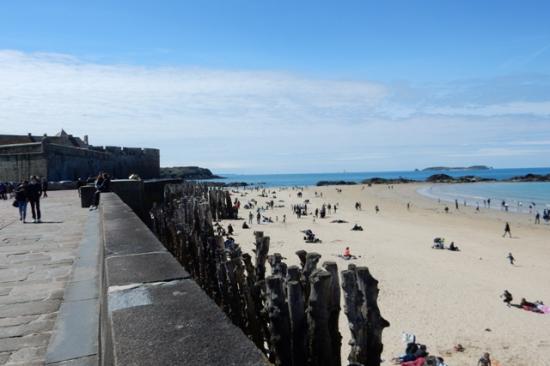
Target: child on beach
x=511 y=258
x=485 y=360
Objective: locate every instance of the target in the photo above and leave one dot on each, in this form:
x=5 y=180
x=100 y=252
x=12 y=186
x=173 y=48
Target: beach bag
x=15 y=203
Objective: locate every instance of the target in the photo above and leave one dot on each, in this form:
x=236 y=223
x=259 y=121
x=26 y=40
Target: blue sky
x=285 y=86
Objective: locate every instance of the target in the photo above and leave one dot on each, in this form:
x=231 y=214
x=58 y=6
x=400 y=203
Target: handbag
x=15 y=203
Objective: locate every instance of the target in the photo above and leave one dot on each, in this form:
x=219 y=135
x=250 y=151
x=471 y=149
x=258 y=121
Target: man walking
x=34 y=191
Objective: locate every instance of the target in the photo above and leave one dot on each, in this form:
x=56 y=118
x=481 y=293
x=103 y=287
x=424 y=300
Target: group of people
x=535 y=307
x=439 y=243
x=29 y=192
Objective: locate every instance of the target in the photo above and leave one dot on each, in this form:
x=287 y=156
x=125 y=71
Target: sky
x=285 y=86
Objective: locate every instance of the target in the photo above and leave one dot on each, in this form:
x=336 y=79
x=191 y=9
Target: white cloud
x=257 y=120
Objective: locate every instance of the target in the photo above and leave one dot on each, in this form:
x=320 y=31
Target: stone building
x=66 y=157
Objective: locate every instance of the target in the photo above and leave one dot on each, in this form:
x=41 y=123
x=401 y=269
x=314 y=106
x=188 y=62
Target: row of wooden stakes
x=292 y=314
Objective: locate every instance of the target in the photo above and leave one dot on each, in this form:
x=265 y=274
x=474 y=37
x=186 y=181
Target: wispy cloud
x=249 y=120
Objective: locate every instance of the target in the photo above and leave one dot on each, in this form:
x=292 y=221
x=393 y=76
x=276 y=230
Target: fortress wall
x=67 y=163
x=35 y=147
x=16 y=167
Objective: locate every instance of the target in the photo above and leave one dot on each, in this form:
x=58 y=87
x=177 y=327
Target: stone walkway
x=35 y=263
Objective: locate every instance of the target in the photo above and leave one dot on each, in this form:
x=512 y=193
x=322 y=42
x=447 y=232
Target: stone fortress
x=66 y=157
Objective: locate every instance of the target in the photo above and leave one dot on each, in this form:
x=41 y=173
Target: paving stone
x=16 y=343
x=29 y=308
x=27 y=355
x=26 y=329
x=10 y=322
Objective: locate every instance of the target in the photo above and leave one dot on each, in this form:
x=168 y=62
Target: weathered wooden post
x=361 y=309
x=320 y=346
x=334 y=312
x=368 y=285
x=298 y=323
x=279 y=320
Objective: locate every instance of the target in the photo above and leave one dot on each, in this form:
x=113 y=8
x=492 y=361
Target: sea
x=518 y=195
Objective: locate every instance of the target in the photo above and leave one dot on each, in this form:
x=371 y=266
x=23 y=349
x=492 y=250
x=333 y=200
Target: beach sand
x=443 y=297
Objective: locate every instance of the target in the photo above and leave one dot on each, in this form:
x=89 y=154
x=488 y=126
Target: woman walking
x=21 y=200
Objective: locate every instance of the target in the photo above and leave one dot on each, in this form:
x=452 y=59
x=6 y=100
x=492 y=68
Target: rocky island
x=473 y=167
x=187 y=172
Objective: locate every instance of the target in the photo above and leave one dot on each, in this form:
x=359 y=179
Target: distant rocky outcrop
x=335 y=183
x=377 y=180
x=187 y=172
x=530 y=178
x=229 y=184
x=444 y=178
x=473 y=167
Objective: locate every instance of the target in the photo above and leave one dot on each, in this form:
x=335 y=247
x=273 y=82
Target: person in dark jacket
x=101 y=185
x=34 y=191
x=44 y=187
x=21 y=200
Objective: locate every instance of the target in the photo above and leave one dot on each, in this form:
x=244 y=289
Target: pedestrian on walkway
x=21 y=200
x=44 y=187
x=34 y=191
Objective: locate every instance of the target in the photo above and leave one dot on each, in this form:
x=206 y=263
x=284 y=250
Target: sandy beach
x=443 y=297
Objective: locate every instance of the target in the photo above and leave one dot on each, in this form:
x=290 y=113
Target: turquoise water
x=285 y=180
x=518 y=196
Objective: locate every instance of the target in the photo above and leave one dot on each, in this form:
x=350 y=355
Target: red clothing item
x=418 y=362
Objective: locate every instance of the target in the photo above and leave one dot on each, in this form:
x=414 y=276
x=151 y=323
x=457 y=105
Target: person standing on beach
x=250 y=217
x=537 y=218
x=456 y=204
x=507 y=230
x=34 y=191
x=258 y=217
x=485 y=360
x=511 y=258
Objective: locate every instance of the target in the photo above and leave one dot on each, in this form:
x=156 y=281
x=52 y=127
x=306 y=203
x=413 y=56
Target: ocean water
x=518 y=195
x=310 y=179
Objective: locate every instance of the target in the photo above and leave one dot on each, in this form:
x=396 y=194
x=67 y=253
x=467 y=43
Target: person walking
x=21 y=200
x=44 y=187
x=511 y=258
x=507 y=230
x=34 y=191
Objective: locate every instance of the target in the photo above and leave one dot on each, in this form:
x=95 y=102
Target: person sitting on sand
x=439 y=243
x=245 y=226
x=453 y=247
x=446 y=209
x=347 y=253
x=229 y=229
x=412 y=354
x=485 y=360
x=507 y=297
x=357 y=228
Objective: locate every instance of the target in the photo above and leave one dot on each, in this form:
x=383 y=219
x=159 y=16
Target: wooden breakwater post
x=291 y=314
x=361 y=309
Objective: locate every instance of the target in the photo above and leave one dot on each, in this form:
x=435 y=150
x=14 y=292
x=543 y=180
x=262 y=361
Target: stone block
x=86 y=196
x=142 y=268
x=177 y=324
